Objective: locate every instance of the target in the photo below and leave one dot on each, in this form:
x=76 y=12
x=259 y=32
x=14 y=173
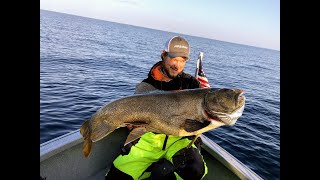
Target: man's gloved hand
x=188 y=163
x=163 y=169
x=183 y=157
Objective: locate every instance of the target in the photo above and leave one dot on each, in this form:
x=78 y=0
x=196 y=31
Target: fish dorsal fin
x=135 y=134
x=144 y=87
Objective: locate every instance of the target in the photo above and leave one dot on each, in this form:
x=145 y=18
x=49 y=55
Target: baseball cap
x=177 y=46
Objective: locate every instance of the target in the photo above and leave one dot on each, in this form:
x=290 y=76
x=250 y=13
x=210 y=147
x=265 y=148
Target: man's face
x=174 y=66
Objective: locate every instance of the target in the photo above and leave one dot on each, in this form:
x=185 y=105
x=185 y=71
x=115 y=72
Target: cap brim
x=178 y=54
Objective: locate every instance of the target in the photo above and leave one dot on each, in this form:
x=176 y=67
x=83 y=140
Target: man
x=161 y=156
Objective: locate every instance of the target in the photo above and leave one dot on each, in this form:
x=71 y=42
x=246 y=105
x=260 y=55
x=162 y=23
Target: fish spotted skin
x=179 y=113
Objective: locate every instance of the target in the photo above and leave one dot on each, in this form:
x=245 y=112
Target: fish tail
x=84 y=128
x=86 y=134
x=86 y=147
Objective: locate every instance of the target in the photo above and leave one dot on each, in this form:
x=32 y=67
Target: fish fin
x=102 y=130
x=86 y=147
x=193 y=125
x=135 y=134
x=193 y=140
x=84 y=128
x=151 y=129
x=144 y=87
x=86 y=134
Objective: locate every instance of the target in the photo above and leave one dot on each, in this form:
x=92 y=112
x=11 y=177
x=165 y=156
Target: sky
x=248 y=22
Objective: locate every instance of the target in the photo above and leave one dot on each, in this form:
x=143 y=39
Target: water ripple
x=86 y=63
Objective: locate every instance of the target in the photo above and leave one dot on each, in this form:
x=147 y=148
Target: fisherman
x=161 y=156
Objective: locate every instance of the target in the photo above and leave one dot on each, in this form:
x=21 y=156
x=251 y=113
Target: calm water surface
x=86 y=63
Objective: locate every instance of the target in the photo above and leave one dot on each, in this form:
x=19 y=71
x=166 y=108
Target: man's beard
x=168 y=74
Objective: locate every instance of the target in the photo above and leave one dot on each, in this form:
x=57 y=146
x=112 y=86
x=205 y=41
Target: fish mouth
x=212 y=117
x=225 y=118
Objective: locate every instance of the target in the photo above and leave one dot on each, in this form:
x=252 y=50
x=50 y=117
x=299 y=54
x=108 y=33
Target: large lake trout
x=179 y=113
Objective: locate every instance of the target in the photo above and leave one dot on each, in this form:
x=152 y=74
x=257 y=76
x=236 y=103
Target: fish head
x=224 y=105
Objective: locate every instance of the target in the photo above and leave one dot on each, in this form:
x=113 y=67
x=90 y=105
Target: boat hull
x=62 y=158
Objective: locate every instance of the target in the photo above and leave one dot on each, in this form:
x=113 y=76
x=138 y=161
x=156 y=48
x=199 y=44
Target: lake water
x=86 y=63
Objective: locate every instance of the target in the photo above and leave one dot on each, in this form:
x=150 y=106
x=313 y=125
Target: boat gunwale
x=59 y=144
x=64 y=142
x=231 y=162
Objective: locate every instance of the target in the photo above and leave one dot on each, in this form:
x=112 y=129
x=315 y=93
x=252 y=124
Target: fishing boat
x=62 y=158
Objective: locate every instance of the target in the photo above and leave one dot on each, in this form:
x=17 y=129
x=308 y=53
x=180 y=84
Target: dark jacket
x=182 y=81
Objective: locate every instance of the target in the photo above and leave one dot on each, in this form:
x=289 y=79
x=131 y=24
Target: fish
x=180 y=113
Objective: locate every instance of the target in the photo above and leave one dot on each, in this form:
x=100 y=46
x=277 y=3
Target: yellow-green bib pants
x=149 y=150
